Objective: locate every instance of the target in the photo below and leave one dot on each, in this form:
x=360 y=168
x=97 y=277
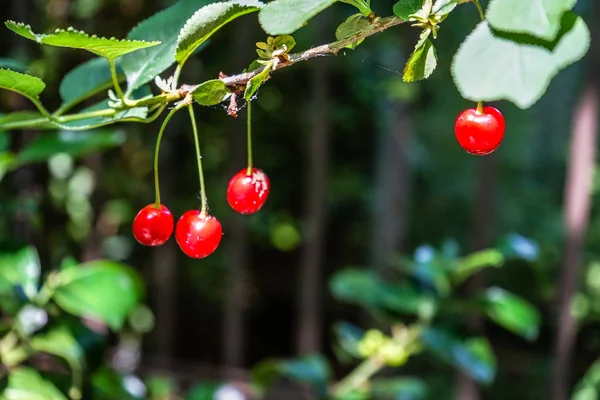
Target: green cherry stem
x=479 y=107
x=156 y=150
x=479 y=8
x=249 y=129
x=199 y=157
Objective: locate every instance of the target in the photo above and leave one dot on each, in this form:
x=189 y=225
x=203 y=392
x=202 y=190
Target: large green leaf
x=142 y=66
x=21 y=268
x=541 y=18
x=76 y=144
x=281 y=17
x=210 y=92
x=475 y=262
x=104 y=290
x=512 y=312
x=404 y=8
x=84 y=79
x=588 y=388
x=60 y=342
x=26 y=384
x=26 y=85
x=312 y=369
x=207 y=20
x=526 y=67
x=404 y=388
x=110 y=48
x=474 y=356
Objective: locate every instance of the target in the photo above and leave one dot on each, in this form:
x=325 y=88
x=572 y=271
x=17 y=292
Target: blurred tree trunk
x=392 y=186
x=482 y=232
x=309 y=325
x=576 y=211
x=237 y=246
x=578 y=194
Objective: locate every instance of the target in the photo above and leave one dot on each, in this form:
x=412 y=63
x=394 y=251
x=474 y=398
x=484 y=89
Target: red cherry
x=198 y=235
x=247 y=194
x=153 y=226
x=480 y=134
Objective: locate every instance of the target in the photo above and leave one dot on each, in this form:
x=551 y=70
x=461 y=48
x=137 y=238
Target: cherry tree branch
x=377 y=25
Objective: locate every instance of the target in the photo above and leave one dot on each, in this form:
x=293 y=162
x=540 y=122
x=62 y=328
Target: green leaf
x=21 y=268
x=287 y=16
x=7 y=163
x=110 y=48
x=85 y=78
x=26 y=85
x=444 y=7
x=540 y=18
x=354 y=25
x=349 y=336
x=207 y=20
x=421 y=63
x=405 y=388
x=475 y=262
x=356 y=286
x=104 y=290
x=76 y=144
x=60 y=342
x=202 y=391
x=526 y=67
x=255 y=83
x=474 y=357
x=512 y=312
x=14 y=65
x=110 y=385
x=26 y=384
x=404 y=8
x=18 y=116
x=143 y=65
x=588 y=388
x=312 y=369
x=211 y=92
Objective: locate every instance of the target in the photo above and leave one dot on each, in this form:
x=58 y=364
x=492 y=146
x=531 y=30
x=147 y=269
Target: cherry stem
x=199 y=157
x=479 y=108
x=156 y=150
x=249 y=129
x=479 y=8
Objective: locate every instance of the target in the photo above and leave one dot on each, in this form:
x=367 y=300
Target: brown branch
x=378 y=25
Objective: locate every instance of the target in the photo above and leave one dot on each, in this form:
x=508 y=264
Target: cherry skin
x=480 y=133
x=247 y=194
x=153 y=226
x=198 y=235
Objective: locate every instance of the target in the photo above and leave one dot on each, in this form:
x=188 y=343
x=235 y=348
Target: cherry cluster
x=198 y=233
x=478 y=130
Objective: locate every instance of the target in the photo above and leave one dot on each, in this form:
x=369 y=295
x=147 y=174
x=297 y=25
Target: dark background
x=362 y=167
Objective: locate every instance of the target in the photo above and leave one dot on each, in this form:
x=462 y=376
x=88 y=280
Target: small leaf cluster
x=45 y=314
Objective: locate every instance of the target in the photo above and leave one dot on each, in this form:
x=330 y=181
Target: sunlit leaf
x=526 y=67
x=211 y=92
x=287 y=16
x=27 y=384
x=207 y=20
x=110 y=48
x=512 y=312
x=541 y=18
x=21 y=268
x=104 y=290
x=26 y=85
x=255 y=82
